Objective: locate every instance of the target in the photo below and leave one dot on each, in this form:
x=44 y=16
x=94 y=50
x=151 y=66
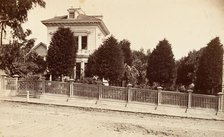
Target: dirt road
x=30 y=120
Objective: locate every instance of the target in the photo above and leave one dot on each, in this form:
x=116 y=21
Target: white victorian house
x=89 y=33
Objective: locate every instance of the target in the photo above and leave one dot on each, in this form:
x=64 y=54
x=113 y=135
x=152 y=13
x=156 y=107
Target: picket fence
x=127 y=94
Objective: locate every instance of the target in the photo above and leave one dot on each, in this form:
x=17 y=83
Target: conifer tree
x=107 y=61
x=161 y=65
x=125 y=46
x=61 y=56
x=209 y=74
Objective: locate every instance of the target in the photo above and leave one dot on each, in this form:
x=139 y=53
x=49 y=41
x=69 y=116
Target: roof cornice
x=68 y=22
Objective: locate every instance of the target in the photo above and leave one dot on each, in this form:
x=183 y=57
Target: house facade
x=89 y=32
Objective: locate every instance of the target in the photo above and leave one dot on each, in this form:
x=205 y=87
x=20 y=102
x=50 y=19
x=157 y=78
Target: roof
x=40 y=44
x=81 y=19
x=36 y=46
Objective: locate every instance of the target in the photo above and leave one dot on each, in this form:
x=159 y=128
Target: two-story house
x=89 y=33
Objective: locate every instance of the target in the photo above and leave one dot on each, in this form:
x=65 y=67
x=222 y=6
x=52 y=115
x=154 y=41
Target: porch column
x=82 y=69
x=80 y=43
x=74 y=73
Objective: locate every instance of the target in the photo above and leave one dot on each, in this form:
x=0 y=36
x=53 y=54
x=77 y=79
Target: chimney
x=71 y=13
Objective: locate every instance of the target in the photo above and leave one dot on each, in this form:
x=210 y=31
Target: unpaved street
x=30 y=120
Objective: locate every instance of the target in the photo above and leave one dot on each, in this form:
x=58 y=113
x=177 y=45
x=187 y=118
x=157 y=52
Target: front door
x=78 y=70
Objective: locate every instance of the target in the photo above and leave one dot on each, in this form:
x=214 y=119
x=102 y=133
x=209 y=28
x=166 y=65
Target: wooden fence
x=128 y=94
x=144 y=95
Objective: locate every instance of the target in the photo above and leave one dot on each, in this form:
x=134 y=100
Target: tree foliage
x=209 y=74
x=140 y=63
x=16 y=58
x=161 y=64
x=14 y=12
x=125 y=46
x=107 y=61
x=187 y=67
x=61 y=55
x=90 y=69
x=131 y=75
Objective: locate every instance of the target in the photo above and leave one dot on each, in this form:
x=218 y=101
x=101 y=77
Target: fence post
x=3 y=82
x=71 y=89
x=159 y=95
x=99 y=83
x=129 y=94
x=189 y=98
x=16 y=83
x=220 y=103
x=27 y=96
x=43 y=85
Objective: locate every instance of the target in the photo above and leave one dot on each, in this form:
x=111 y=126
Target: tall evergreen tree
x=108 y=61
x=209 y=74
x=125 y=46
x=90 y=69
x=61 y=56
x=161 y=64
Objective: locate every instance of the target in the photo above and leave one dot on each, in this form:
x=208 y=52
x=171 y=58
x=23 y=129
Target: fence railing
x=204 y=101
x=56 y=87
x=112 y=92
x=85 y=90
x=174 y=98
x=32 y=86
x=10 y=83
x=144 y=95
x=129 y=94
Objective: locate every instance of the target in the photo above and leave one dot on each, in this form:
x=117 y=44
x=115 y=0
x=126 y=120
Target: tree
x=187 y=68
x=125 y=46
x=13 y=13
x=16 y=58
x=61 y=55
x=140 y=54
x=130 y=75
x=161 y=65
x=90 y=69
x=107 y=61
x=140 y=63
x=209 y=74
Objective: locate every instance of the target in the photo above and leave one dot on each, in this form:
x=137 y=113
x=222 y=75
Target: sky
x=186 y=24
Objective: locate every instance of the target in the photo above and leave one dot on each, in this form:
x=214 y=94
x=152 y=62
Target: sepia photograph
x=111 y=68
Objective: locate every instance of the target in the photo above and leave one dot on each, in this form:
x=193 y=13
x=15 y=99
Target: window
x=84 y=42
x=76 y=41
x=71 y=15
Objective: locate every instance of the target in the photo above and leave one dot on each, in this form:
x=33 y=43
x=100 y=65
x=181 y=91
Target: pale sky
x=186 y=24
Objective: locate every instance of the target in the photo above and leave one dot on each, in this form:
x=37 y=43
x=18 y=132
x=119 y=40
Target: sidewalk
x=114 y=105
